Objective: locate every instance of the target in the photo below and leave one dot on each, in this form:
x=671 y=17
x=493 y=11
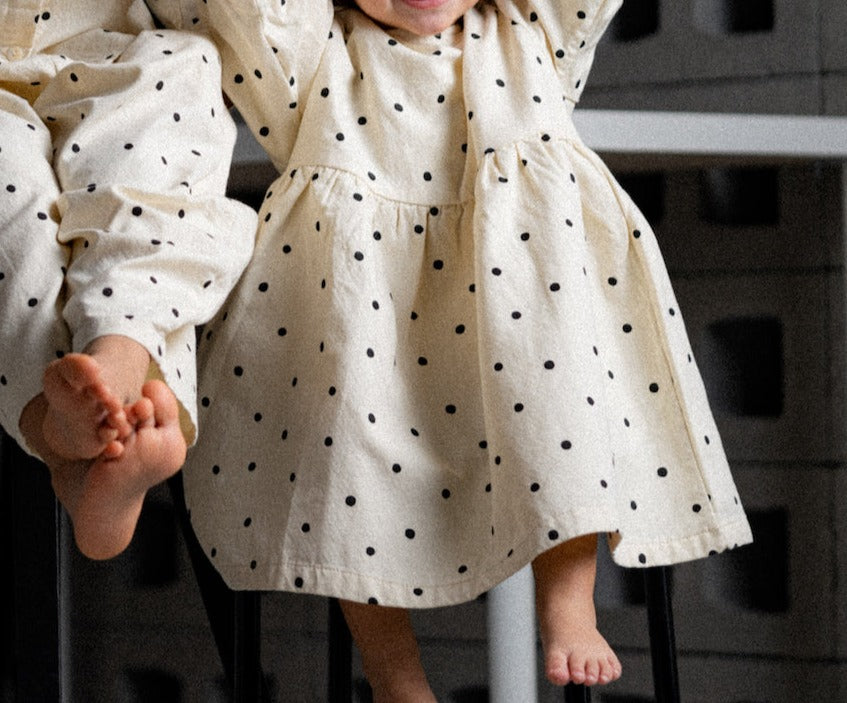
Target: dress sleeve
x=572 y=29
x=142 y=148
x=32 y=263
x=270 y=52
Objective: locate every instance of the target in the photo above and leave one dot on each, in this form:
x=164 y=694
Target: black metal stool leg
x=340 y=685
x=577 y=694
x=657 y=588
x=247 y=668
x=30 y=610
x=662 y=641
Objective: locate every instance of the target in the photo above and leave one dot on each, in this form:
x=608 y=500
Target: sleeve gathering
x=274 y=44
x=572 y=29
x=143 y=147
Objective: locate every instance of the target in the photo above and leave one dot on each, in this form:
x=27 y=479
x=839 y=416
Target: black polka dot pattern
x=32 y=267
x=471 y=372
x=139 y=197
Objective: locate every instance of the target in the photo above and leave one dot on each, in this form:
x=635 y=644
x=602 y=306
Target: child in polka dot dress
x=116 y=241
x=456 y=350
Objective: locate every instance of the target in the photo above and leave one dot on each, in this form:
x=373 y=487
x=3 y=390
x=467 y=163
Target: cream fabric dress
x=456 y=345
x=115 y=148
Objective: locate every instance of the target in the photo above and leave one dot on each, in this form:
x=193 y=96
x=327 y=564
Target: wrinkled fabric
x=115 y=148
x=456 y=346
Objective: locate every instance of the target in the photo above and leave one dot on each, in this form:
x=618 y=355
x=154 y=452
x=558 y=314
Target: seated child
x=456 y=350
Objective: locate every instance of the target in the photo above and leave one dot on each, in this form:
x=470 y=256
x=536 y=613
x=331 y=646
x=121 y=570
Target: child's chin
x=428 y=28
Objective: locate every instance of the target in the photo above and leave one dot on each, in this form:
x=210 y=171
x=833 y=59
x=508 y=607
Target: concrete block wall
x=709 y=39
x=136 y=629
x=758 y=680
x=764 y=56
x=776 y=599
x=755 y=255
x=834 y=40
x=835 y=93
x=840 y=539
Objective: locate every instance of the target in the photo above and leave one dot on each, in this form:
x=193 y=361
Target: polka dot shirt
x=114 y=157
x=456 y=345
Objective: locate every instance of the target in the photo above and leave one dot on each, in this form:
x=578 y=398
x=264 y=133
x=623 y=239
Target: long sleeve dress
x=456 y=345
x=115 y=148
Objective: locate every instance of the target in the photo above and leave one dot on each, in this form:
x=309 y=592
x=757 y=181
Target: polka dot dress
x=114 y=156
x=456 y=346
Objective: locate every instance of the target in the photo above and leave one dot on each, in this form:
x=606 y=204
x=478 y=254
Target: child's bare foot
x=105 y=499
x=390 y=655
x=574 y=650
x=84 y=419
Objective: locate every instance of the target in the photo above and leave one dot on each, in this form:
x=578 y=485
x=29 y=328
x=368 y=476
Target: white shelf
x=723 y=135
x=691 y=136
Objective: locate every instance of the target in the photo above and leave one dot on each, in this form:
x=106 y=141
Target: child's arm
x=156 y=246
x=266 y=43
x=572 y=29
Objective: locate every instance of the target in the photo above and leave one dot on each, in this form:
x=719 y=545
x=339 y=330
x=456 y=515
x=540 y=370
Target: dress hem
x=332 y=582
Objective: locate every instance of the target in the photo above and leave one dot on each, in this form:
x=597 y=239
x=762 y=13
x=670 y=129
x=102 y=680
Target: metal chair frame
x=247 y=673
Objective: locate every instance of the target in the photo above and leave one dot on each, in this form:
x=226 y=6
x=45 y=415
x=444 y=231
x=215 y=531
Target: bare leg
x=574 y=651
x=86 y=395
x=390 y=654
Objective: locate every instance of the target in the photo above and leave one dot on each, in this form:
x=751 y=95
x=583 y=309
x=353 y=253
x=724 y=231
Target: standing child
x=115 y=240
x=456 y=350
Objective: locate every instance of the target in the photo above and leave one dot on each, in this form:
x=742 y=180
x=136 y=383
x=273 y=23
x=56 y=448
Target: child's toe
x=165 y=407
x=592 y=672
x=557 y=670
x=576 y=670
